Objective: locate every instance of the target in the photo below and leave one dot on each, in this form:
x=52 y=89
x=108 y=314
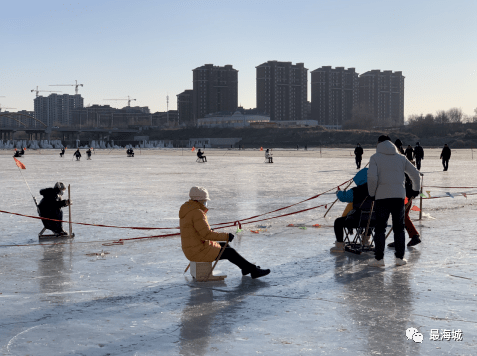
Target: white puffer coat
x=386 y=173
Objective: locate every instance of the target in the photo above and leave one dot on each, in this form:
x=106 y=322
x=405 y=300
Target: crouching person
x=50 y=207
x=360 y=199
x=199 y=242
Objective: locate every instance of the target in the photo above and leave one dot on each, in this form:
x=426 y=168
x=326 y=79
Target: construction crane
x=69 y=85
x=6 y=108
x=128 y=99
x=47 y=91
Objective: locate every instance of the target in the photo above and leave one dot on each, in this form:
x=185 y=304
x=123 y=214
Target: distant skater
x=88 y=153
x=19 y=153
x=409 y=153
x=358 y=153
x=50 y=207
x=418 y=155
x=62 y=152
x=77 y=154
x=200 y=155
x=268 y=155
x=398 y=144
x=130 y=152
x=445 y=156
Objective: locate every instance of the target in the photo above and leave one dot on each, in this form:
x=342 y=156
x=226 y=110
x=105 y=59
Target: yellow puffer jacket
x=196 y=236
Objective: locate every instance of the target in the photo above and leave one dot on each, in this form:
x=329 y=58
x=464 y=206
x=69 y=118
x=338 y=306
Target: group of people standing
x=415 y=154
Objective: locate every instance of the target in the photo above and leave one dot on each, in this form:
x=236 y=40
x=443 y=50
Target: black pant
x=384 y=207
x=445 y=163
x=233 y=256
x=358 y=162
x=418 y=163
x=55 y=226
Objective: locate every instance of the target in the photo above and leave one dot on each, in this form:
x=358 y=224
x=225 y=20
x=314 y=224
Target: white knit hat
x=199 y=193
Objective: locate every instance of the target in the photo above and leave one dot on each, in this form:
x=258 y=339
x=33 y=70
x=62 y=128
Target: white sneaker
x=338 y=247
x=376 y=263
x=400 y=261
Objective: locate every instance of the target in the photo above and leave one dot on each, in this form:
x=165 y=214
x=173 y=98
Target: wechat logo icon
x=414 y=335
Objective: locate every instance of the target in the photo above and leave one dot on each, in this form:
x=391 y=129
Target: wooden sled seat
x=200 y=271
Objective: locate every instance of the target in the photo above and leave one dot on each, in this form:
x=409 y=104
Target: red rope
x=171 y=228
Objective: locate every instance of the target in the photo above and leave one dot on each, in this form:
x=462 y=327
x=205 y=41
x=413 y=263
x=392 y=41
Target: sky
x=148 y=49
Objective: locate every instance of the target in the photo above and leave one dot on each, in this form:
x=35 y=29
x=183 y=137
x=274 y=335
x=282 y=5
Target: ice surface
x=135 y=300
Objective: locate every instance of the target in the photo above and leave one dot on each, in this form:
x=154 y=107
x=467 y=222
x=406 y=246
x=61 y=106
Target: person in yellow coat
x=199 y=242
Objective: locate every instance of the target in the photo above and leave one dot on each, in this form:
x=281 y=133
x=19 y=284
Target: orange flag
x=193 y=149
x=261 y=148
x=19 y=164
x=415 y=208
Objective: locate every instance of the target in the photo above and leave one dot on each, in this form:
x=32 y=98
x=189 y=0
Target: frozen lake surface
x=63 y=299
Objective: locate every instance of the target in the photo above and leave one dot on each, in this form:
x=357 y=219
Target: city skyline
x=148 y=51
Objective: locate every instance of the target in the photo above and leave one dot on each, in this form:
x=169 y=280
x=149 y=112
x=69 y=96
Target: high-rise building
x=282 y=90
x=383 y=94
x=185 y=107
x=56 y=110
x=215 y=90
x=334 y=94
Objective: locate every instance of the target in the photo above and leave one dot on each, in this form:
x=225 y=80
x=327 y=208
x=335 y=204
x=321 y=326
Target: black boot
x=257 y=272
x=414 y=241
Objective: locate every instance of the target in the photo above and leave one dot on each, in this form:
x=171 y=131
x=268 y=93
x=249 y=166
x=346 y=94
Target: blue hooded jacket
x=347 y=195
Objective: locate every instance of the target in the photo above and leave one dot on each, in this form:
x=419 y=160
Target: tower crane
x=69 y=85
x=128 y=99
x=47 y=91
x=5 y=108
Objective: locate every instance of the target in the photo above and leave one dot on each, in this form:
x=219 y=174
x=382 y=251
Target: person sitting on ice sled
x=361 y=202
x=88 y=153
x=199 y=241
x=268 y=155
x=77 y=154
x=50 y=207
x=201 y=156
x=19 y=153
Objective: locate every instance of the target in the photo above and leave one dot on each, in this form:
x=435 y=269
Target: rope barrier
x=171 y=228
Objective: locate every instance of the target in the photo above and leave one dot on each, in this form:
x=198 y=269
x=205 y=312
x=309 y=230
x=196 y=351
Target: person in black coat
x=445 y=156
x=88 y=153
x=418 y=155
x=201 y=156
x=62 y=152
x=409 y=153
x=358 y=152
x=77 y=154
x=398 y=144
x=50 y=207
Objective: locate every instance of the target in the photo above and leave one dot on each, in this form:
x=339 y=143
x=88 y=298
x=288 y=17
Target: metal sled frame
x=198 y=160
x=42 y=236
x=356 y=245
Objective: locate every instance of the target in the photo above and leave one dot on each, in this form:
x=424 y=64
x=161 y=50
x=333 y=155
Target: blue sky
x=147 y=49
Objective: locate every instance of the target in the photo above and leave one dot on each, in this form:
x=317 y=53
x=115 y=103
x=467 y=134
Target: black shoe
x=63 y=233
x=414 y=241
x=391 y=244
x=258 y=272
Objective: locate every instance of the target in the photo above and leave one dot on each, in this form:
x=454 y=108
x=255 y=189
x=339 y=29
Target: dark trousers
x=55 y=226
x=339 y=226
x=233 y=256
x=358 y=162
x=418 y=163
x=445 y=163
x=384 y=207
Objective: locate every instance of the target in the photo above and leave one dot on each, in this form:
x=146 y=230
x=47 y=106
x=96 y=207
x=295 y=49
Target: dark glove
x=231 y=237
x=415 y=194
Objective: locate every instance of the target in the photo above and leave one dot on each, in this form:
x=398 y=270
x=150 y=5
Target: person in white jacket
x=386 y=181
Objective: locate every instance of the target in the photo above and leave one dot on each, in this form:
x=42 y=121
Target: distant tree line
x=451 y=116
